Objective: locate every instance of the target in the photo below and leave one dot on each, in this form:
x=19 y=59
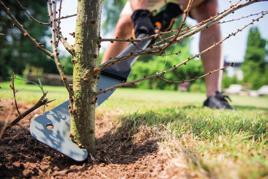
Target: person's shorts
x=155 y=5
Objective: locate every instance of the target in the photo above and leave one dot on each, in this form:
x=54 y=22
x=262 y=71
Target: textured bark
x=84 y=79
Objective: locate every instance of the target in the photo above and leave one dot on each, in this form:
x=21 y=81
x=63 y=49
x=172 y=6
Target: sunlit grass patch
x=222 y=144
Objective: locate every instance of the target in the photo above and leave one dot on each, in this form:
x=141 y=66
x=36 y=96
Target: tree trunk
x=84 y=79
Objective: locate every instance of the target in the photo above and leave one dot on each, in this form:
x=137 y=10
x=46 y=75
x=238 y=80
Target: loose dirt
x=121 y=152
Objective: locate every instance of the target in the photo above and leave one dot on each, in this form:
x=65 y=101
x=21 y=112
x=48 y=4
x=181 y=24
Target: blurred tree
x=227 y=80
x=152 y=64
x=255 y=67
x=15 y=51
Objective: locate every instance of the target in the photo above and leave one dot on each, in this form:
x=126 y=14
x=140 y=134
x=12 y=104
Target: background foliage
x=255 y=66
x=17 y=54
x=152 y=64
x=15 y=51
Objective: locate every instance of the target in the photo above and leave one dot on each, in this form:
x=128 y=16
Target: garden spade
x=53 y=127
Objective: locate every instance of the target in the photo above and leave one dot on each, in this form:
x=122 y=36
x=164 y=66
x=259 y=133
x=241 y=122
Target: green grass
x=31 y=93
x=221 y=144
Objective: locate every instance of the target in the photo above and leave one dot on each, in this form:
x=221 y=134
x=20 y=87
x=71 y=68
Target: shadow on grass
x=21 y=156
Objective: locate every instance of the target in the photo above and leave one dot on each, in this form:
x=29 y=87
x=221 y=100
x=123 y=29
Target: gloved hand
x=164 y=20
x=142 y=22
x=145 y=23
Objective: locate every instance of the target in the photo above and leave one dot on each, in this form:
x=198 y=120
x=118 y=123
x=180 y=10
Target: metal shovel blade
x=53 y=127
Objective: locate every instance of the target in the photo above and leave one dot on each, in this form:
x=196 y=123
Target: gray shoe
x=219 y=101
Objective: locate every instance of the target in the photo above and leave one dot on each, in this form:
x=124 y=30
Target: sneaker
x=219 y=101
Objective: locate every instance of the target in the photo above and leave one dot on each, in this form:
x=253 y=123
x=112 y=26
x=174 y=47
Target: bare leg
x=212 y=59
x=123 y=30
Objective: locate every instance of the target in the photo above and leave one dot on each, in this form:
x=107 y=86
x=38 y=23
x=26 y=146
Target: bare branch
x=158 y=48
x=185 y=15
x=211 y=21
x=14 y=91
x=25 y=33
x=183 y=31
x=184 y=62
x=58 y=20
x=120 y=40
x=58 y=32
x=3 y=126
x=29 y=14
x=66 y=45
x=192 y=79
x=54 y=42
x=41 y=102
x=67 y=16
x=243 y=17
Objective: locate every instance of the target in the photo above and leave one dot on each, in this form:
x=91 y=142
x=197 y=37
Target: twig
x=54 y=42
x=184 y=62
x=185 y=15
x=42 y=101
x=243 y=17
x=29 y=14
x=3 y=127
x=25 y=33
x=68 y=16
x=14 y=91
x=66 y=45
x=59 y=35
x=119 y=40
x=216 y=18
x=156 y=49
x=192 y=79
x=58 y=20
x=183 y=31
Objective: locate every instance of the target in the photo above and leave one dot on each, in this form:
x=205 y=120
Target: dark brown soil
x=121 y=153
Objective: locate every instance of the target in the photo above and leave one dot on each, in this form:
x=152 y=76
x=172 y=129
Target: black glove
x=165 y=18
x=142 y=20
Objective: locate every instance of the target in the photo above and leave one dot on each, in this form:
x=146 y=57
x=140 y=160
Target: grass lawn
x=221 y=144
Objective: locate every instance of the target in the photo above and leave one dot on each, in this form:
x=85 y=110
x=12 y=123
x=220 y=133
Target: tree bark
x=82 y=107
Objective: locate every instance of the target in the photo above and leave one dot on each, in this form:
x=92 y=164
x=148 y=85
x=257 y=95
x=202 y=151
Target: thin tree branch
x=156 y=49
x=192 y=79
x=3 y=126
x=66 y=45
x=14 y=91
x=211 y=21
x=243 y=17
x=68 y=16
x=54 y=42
x=29 y=14
x=60 y=37
x=185 y=15
x=184 y=62
x=58 y=20
x=42 y=101
x=25 y=33
x=184 y=29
